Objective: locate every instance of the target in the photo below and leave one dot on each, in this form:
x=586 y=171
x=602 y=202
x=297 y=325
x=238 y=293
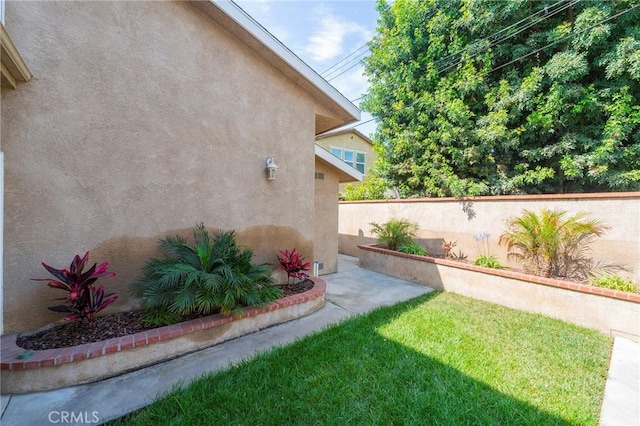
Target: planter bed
x=57 y=368
x=609 y=311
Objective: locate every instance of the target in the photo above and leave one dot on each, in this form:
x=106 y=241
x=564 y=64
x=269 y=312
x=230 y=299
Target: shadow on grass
x=354 y=374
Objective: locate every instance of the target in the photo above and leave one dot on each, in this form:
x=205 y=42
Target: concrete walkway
x=351 y=291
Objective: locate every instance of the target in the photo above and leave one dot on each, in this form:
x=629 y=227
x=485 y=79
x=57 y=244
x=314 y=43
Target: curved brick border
x=141 y=349
x=552 y=282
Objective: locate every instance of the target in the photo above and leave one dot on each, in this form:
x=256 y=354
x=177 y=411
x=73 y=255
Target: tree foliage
x=491 y=97
x=372 y=187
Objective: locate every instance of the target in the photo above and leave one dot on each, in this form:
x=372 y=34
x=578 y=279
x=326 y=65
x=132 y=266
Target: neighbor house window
x=353 y=158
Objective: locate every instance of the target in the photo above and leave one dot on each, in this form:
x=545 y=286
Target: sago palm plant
x=394 y=233
x=214 y=274
x=552 y=244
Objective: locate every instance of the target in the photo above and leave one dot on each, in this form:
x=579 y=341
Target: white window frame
x=355 y=162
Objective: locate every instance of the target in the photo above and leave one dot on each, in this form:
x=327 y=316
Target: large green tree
x=503 y=97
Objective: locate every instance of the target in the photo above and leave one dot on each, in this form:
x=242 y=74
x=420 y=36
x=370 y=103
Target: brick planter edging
x=284 y=309
x=551 y=282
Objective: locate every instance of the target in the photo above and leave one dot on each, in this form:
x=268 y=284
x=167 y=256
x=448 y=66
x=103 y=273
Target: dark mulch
x=109 y=326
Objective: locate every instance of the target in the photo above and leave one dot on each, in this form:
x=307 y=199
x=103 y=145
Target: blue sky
x=322 y=33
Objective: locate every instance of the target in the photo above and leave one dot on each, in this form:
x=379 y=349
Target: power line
x=503 y=39
x=328 y=76
x=545 y=47
x=545 y=10
x=351 y=67
x=364 y=122
x=345 y=58
x=564 y=38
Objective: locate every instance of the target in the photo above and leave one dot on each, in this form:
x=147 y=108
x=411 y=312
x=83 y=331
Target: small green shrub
x=485 y=258
x=412 y=248
x=395 y=232
x=212 y=275
x=614 y=282
x=488 y=262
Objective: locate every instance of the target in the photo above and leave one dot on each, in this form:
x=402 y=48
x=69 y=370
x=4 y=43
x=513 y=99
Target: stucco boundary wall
x=459 y=219
x=58 y=368
x=615 y=313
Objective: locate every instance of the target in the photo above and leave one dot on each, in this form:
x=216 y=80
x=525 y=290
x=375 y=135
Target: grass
x=438 y=359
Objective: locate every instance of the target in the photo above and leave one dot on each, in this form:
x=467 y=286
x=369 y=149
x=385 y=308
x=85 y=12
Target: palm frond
x=551 y=244
x=212 y=274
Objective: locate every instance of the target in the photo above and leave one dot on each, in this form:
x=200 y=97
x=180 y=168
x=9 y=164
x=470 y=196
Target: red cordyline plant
x=83 y=300
x=293 y=264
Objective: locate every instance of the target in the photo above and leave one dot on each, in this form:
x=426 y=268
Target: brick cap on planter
x=51 y=357
x=551 y=282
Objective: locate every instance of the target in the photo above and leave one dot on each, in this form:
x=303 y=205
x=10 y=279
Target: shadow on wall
x=348 y=244
x=128 y=255
x=467 y=208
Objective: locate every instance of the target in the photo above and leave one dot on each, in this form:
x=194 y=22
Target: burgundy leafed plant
x=293 y=264
x=83 y=300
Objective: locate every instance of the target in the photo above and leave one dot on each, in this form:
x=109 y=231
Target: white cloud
x=262 y=12
x=327 y=42
x=352 y=84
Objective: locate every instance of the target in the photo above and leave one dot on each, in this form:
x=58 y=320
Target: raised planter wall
x=57 y=368
x=611 y=312
x=459 y=219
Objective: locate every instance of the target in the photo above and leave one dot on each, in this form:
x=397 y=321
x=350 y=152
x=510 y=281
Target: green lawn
x=438 y=359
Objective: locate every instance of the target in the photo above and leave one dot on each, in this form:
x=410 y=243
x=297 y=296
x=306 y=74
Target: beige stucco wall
x=459 y=220
x=326 y=217
x=143 y=119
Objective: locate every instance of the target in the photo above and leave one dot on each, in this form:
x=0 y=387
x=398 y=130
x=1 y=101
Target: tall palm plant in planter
x=214 y=274
x=394 y=233
x=550 y=243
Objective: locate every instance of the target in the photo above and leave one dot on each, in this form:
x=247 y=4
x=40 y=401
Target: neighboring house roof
x=235 y=20
x=346 y=172
x=342 y=132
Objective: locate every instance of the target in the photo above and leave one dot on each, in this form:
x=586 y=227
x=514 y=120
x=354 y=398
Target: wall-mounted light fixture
x=272 y=168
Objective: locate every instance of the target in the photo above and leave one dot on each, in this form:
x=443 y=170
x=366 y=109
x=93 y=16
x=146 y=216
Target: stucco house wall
x=326 y=217
x=141 y=120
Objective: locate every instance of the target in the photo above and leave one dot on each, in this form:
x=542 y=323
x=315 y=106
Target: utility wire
x=341 y=67
x=351 y=67
x=545 y=47
x=364 y=122
x=564 y=38
x=341 y=70
x=545 y=10
x=344 y=59
x=326 y=73
x=503 y=39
